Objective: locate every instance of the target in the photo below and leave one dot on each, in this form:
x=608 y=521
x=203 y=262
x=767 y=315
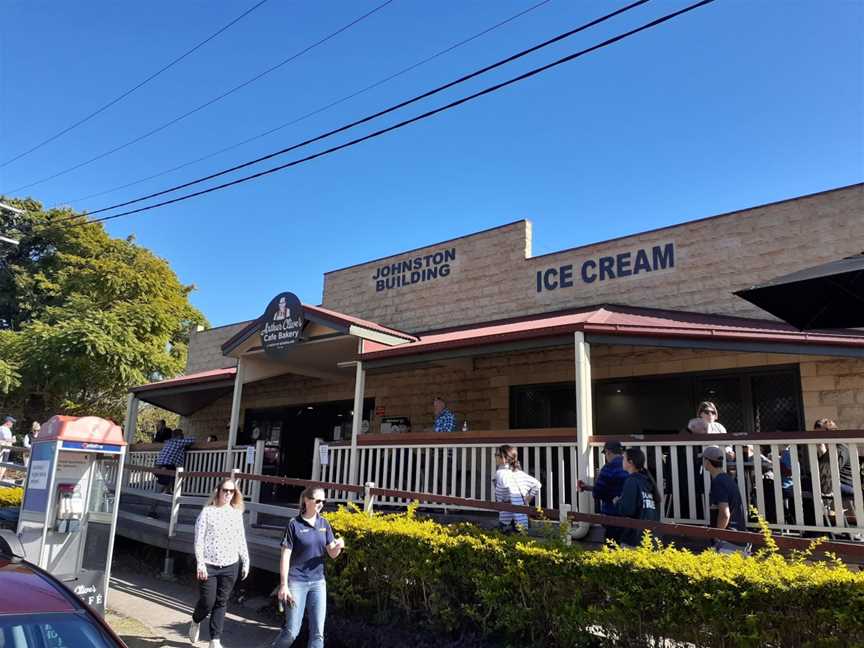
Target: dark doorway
x=289 y=435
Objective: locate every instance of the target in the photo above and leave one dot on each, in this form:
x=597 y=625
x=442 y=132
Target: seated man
x=172 y=455
x=609 y=483
x=724 y=495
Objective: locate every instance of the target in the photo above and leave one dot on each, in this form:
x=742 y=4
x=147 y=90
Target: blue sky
x=736 y=104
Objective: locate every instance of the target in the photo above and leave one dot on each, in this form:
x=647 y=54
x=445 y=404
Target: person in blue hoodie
x=609 y=483
x=640 y=497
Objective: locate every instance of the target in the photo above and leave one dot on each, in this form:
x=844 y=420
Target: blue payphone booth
x=69 y=514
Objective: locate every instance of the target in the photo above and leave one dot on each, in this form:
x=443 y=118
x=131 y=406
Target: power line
x=317 y=111
x=412 y=120
x=210 y=102
x=133 y=89
x=380 y=113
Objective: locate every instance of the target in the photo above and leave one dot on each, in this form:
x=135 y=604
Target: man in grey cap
x=6 y=441
x=725 y=498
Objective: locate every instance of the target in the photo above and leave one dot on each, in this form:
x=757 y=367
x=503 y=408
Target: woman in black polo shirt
x=307 y=538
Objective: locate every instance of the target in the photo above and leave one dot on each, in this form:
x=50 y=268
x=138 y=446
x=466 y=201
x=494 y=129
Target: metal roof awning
x=613 y=324
x=186 y=395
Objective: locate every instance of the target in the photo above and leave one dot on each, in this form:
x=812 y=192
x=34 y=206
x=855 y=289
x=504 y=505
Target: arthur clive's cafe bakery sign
x=281 y=324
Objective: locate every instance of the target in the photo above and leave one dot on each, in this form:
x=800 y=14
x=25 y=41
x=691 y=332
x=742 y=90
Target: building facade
x=552 y=354
x=694 y=267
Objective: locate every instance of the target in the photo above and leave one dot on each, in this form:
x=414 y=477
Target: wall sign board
x=419 y=269
x=605 y=268
x=282 y=324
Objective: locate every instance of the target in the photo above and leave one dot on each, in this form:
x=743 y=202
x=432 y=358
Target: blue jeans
x=314 y=596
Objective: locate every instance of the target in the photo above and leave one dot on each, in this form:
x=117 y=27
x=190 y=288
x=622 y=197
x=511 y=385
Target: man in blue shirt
x=172 y=454
x=726 y=498
x=609 y=483
x=444 y=419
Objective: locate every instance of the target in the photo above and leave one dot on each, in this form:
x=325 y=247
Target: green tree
x=83 y=316
x=148 y=416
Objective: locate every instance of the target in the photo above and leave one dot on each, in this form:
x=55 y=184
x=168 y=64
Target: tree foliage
x=83 y=316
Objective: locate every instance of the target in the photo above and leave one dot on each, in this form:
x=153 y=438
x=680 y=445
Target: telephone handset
x=69 y=508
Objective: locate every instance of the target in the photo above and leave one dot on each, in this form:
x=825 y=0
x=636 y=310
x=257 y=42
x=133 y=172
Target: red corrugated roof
x=350 y=319
x=190 y=379
x=616 y=320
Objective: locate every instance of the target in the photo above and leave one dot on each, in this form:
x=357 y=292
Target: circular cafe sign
x=282 y=323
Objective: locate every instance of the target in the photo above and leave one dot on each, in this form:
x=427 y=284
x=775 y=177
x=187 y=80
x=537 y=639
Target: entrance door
x=290 y=433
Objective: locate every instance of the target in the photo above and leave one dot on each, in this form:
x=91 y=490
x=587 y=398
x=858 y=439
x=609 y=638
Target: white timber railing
x=452 y=464
x=815 y=498
x=244 y=459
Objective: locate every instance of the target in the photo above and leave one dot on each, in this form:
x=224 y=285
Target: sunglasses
x=227 y=490
x=708 y=411
x=318 y=501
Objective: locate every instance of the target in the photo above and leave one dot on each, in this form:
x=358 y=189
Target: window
x=69 y=630
x=749 y=400
x=542 y=406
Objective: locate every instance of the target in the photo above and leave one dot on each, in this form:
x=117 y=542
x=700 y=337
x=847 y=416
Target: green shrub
x=528 y=593
x=11 y=496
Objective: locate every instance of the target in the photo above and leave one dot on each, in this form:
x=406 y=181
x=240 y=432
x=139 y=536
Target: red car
x=38 y=611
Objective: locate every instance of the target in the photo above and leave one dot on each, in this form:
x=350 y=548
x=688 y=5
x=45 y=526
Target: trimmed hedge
x=11 y=496
x=458 y=579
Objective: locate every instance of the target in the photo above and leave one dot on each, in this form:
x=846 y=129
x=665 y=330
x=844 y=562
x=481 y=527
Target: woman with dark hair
x=513 y=486
x=222 y=555
x=308 y=537
x=640 y=498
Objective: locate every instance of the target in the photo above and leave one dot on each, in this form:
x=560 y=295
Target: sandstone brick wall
x=479 y=389
x=212 y=419
x=205 y=348
x=834 y=389
x=494 y=275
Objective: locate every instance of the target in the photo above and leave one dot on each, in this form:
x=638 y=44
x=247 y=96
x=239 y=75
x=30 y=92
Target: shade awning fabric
x=186 y=395
x=827 y=296
x=615 y=320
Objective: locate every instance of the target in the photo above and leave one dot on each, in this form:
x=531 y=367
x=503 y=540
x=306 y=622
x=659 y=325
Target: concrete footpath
x=163 y=610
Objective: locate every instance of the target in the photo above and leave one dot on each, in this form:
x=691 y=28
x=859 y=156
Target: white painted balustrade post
x=368 y=498
x=257 y=469
x=168 y=564
x=564 y=523
x=175 y=502
x=316 y=460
